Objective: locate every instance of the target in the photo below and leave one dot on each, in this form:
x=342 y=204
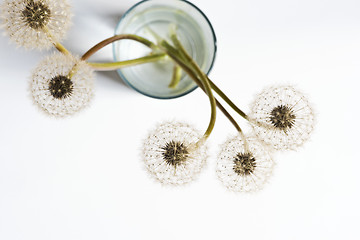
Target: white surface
x=82 y=178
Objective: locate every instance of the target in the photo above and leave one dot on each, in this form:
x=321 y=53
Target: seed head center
x=60 y=87
x=36 y=14
x=175 y=153
x=244 y=163
x=282 y=117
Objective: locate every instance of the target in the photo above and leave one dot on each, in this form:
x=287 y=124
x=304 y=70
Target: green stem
x=176 y=76
x=174 y=55
x=106 y=42
x=227 y=100
x=116 y=65
x=61 y=48
x=56 y=44
x=203 y=77
x=213 y=86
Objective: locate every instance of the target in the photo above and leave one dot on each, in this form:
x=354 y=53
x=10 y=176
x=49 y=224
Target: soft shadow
x=113 y=77
x=112 y=19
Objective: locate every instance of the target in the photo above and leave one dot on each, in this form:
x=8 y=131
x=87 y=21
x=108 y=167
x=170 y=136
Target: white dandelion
x=282 y=117
x=170 y=154
x=244 y=166
x=36 y=23
x=62 y=85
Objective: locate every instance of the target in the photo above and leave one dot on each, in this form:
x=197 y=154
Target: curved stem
x=107 y=41
x=116 y=65
x=174 y=53
x=175 y=57
x=198 y=82
x=176 y=77
x=203 y=77
x=227 y=100
x=56 y=44
x=213 y=86
x=61 y=48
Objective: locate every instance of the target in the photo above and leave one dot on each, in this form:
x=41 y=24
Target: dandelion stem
x=176 y=76
x=180 y=59
x=187 y=57
x=174 y=55
x=227 y=100
x=202 y=78
x=107 y=41
x=57 y=45
x=116 y=65
x=61 y=48
x=73 y=71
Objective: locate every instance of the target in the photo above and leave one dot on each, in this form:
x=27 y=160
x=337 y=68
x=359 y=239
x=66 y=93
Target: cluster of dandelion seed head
x=244 y=166
x=170 y=153
x=55 y=92
x=282 y=117
x=35 y=23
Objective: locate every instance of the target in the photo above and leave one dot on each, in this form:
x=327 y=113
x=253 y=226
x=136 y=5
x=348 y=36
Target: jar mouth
x=194 y=28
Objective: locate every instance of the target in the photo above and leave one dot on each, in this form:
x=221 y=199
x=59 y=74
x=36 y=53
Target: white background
x=83 y=178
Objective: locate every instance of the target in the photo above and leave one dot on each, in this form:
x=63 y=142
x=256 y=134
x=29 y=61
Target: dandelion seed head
x=54 y=92
x=244 y=163
x=170 y=156
x=35 y=23
x=175 y=153
x=36 y=14
x=244 y=166
x=61 y=87
x=282 y=117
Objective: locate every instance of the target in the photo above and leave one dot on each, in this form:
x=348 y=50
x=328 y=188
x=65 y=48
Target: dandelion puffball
x=171 y=155
x=244 y=165
x=282 y=117
x=62 y=85
x=35 y=23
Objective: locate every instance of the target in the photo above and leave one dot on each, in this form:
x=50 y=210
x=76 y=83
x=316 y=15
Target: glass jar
x=152 y=19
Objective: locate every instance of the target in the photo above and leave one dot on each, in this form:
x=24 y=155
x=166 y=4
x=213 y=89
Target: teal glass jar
x=155 y=17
